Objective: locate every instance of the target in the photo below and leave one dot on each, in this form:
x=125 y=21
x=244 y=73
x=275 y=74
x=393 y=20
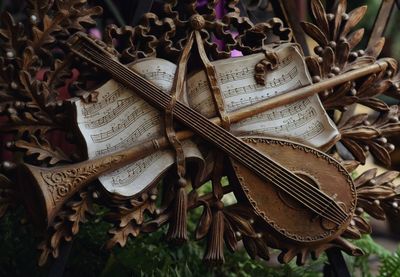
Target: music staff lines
x=289 y=110
x=133 y=137
x=159 y=75
x=96 y=107
x=108 y=120
x=247 y=73
x=251 y=100
x=244 y=74
x=232 y=105
x=209 y=102
x=289 y=126
x=274 y=83
x=122 y=105
x=135 y=170
x=115 y=130
x=199 y=89
x=316 y=129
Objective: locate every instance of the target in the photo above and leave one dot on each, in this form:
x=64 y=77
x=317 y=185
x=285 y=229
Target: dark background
x=148 y=255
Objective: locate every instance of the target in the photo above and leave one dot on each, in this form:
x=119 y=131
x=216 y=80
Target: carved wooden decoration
x=161 y=108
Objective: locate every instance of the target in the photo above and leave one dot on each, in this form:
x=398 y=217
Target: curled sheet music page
x=305 y=121
x=121 y=119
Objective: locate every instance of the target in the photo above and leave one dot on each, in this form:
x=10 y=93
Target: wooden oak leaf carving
x=30 y=61
x=362 y=225
x=43 y=149
x=39 y=8
x=45 y=251
x=65 y=226
x=77 y=13
x=84 y=16
x=57 y=234
x=62 y=232
x=127 y=215
x=23 y=126
x=42 y=37
x=372 y=208
x=120 y=236
x=136 y=214
x=340 y=10
x=80 y=209
x=39 y=95
x=12 y=33
x=128 y=218
x=375 y=104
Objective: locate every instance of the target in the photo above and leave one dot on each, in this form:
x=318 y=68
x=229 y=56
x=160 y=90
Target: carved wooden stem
x=56 y=185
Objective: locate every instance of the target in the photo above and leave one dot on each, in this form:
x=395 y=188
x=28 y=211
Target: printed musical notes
x=109 y=97
x=122 y=105
x=120 y=119
x=304 y=120
x=246 y=73
x=289 y=125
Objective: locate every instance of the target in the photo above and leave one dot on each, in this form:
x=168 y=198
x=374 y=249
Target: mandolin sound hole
x=292 y=202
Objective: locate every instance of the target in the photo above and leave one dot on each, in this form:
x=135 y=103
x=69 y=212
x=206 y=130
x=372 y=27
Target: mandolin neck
x=221 y=138
x=201 y=125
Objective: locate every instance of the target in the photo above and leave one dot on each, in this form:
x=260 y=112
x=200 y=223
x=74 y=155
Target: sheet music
x=305 y=121
x=121 y=119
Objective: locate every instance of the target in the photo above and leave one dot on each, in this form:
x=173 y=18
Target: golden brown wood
x=33 y=111
x=268 y=170
x=321 y=171
x=56 y=185
x=48 y=188
x=307 y=91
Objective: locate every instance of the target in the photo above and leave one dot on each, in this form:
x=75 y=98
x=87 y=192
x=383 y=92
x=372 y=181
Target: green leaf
x=391 y=265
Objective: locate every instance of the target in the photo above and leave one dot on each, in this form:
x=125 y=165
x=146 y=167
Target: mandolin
x=300 y=192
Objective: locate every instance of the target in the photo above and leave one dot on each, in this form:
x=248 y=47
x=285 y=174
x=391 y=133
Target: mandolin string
x=277 y=181
x=266 y=160
x=324 y=210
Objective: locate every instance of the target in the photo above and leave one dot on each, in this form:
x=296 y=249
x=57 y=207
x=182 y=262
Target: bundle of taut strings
x=296 y=187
